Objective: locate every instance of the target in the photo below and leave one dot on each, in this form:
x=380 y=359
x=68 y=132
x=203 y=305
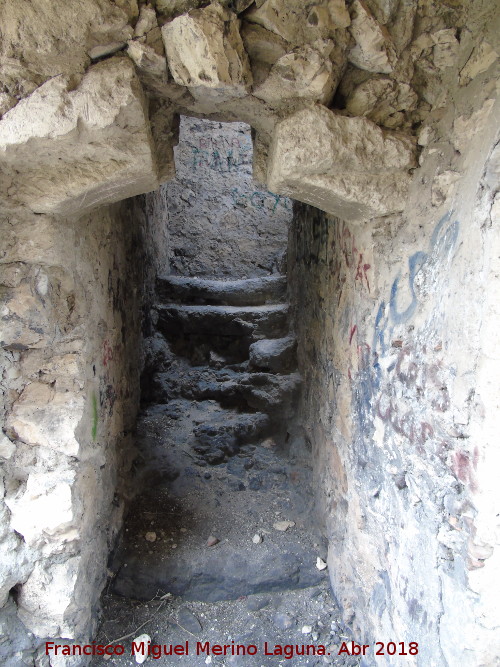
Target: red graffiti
x=464 y=466
x=107 y=353
x=352 y=256
x=353 y=331
x=416 y=432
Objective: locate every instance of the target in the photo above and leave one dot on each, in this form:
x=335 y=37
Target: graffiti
x=223 y=143
x=442 y=242
x=354 y=258
x=95 y=416
x=312 y=239
x=261 y=200
x=410 y=377
x=464 y=467
x=222 y=154
x=107 y=354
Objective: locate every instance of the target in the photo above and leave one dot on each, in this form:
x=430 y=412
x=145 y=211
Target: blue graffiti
x=443 y=240
x=441 y=244
x=415 y=263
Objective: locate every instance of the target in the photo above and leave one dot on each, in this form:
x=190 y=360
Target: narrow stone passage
x=224 y=511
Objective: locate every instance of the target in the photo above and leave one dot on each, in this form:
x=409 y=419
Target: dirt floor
x=221 y=555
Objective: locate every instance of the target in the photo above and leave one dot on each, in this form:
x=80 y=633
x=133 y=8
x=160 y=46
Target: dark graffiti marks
x=262 y=200
x=221 y=154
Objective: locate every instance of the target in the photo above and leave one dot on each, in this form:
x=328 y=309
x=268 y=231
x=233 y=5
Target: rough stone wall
x=71 y=322
x=398 y=351
x=220 y=222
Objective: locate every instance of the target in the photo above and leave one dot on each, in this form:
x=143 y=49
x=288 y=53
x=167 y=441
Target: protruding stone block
x=46 y=597
x=65 y=150
x=303 y=73
x=299 y=23
x=374 y=50
x=347 y=167
x=45 y=509
x=382 y=100
x=205 y=53
x=48 y=418
x=277 y=355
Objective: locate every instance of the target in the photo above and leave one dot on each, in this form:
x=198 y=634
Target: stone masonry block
x=347 y=167
x=205 y=52
x=48 y=418
x=45 y=509
x=65 y=150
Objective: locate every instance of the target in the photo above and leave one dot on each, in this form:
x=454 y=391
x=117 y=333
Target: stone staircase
x=221 y=387
x=234 y=339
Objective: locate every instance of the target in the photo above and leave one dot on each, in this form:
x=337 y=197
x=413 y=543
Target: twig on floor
x=131 y=634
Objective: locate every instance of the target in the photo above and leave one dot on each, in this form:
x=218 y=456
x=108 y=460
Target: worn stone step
x=261 y=391
x=201 y=291
x=227 y=573
x=278 y=355
x=254 y=322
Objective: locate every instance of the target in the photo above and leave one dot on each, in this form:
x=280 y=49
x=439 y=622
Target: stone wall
x=398 y=352
x=220 y=222
x=71 y=292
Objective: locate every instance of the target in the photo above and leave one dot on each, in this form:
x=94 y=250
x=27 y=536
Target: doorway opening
x=224 y=508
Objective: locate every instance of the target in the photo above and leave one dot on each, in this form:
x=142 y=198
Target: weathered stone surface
x=299 y=23
x=102 y=122
x=46 y=596
x=445 y=51
x=249 y=292
x=374 y=50
x=353 y=170
x=48 y=418
x=6 y=102
x=383 y=10
x=146 y=22
x=44 y=510
x=276 y=355
x=303 y=73
x=52 y=40
x=165 y=129
x=106 y=50
x=383 y=100
x=262 y=45
x=7 y=448
x=256 y=321
x=205 y=53
x=480 y=60
x=443 y=186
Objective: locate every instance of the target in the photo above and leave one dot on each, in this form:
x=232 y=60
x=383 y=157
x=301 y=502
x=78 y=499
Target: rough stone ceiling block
x=53 y=38
x=205 y=53
x=298 y=22
x=65 y=150
x=374 y=50
x=347 y=167
x=304 y=73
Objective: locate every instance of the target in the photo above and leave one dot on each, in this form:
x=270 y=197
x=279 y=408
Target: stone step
x=278 y=355
x=260 y=391
x=201 y=291
x=254 y=322
x=225 y=574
